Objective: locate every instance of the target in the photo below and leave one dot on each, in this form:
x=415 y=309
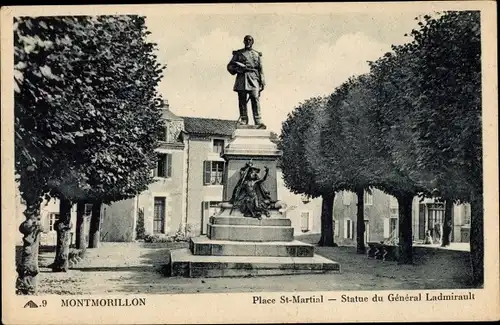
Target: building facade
x=189 y=184
x=381 y=214
x=49 y=214
x=188 y=188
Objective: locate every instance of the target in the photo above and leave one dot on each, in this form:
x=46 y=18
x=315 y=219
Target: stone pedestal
x=240 y=246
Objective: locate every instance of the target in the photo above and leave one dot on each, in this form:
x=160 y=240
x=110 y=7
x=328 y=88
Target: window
x=368 y=198
x=159 y=215
x=218 y=146
x=348 y=229
x=336 y=228
x=367 y=231
x=164 y=134
x=53 y=217
x=88 y=209
x=213 y=172
x=304 y=221
x=164 y=166
x=391 y=228
x=467 y=213
x=393 y=202
x=209 y=208
x=346 y=197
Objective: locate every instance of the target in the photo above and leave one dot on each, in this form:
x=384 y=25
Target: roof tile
x=209 y=126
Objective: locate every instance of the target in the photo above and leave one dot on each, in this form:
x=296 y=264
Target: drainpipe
x=186 y=185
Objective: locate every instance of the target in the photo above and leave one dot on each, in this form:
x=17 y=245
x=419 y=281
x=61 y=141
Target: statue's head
x=248 y=41
x=254 y=175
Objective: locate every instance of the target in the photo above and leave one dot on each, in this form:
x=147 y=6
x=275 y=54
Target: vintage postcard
x=250 y=163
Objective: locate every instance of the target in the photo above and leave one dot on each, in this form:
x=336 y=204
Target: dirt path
x=136 y=268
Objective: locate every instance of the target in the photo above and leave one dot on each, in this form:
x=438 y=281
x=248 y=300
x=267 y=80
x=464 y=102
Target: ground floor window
x=159 y=215
x=88 y=209
x=367 y=231
x=348 y=229
x=304 y=221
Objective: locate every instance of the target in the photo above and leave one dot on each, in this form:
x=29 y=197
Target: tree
x=78 y=81
x=299 y=173
x=392 y=84
x=448 y=115
x=348 y=149
x=38 y=93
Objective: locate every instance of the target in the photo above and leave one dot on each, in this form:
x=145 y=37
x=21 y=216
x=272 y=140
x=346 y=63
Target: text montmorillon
x=431 y=297
x=104 y=302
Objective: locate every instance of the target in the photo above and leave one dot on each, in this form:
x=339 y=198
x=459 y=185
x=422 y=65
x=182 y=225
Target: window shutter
x=386 y=227
x=345 y=227
x=207 y=167
x=336 y=229
x=352 y=229
x=169 y=165
x=224 y=176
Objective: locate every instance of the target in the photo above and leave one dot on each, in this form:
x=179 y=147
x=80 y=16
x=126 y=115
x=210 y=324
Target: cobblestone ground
x=136 y=268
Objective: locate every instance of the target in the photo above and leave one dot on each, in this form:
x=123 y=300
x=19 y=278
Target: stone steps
x=205 y=246
x=250 y=233
x=184 y=263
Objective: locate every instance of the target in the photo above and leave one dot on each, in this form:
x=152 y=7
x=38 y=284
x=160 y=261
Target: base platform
x=184 y=263
x=204 y=246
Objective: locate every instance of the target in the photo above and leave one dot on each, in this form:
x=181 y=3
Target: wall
x=199 y=150
x=118 y=221
x=295 y=207
x=376 y=214
x=170 y=188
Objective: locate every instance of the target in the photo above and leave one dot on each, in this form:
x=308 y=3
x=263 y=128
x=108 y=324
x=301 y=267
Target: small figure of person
x=428 y=238
x=437 y=232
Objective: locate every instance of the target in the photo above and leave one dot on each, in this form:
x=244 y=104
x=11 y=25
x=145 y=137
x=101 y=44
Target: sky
x=304 y=56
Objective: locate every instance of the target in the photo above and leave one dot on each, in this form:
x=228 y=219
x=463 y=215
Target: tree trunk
x=477 y=240
x=80 y=229
x=63 y=228
x=447 y=223
x=95 y=224
x=327 y=221
x=405 y=232
x=27 y=269
x=360 y=222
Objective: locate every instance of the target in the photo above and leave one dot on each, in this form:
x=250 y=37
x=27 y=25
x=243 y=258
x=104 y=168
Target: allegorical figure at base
x=249 y=195
x=246 y=64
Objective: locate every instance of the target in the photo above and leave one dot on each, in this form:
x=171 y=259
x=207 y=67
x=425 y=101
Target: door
x=367 y=231
x=159 y=216
x=421 y=221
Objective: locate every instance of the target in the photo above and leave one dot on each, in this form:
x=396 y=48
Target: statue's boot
x=259 y=124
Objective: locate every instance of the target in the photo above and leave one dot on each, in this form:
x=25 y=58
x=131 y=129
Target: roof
x=209 y=126
x=166 y=114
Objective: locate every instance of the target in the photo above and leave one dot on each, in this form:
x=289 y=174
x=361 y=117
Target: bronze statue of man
x=246 y=64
